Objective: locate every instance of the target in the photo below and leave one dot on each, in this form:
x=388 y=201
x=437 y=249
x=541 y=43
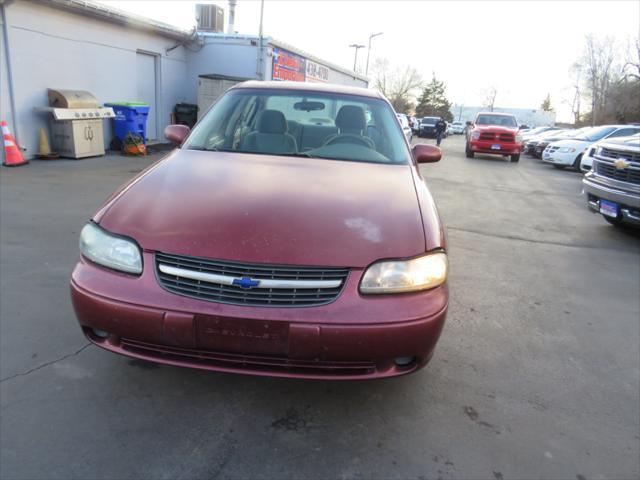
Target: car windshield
x=429 y=121
x=594 y=134
x=553 y=134
x=503 y=120
x=303 y=124
x=456 y=123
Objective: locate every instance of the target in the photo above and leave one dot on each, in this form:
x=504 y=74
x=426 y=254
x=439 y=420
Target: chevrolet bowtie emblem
x=245 y=282
x=621 y=163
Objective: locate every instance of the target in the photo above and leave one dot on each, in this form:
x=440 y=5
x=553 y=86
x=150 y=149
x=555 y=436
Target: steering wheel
x=350 y=138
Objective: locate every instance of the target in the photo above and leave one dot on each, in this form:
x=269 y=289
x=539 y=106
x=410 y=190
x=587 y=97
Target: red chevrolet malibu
x=290 y=234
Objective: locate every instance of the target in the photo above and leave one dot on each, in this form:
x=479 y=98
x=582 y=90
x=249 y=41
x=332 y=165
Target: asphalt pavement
x=536 y=374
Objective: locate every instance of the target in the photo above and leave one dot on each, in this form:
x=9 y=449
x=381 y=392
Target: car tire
x=576 y=163
x=515 y=158
x=468 y=152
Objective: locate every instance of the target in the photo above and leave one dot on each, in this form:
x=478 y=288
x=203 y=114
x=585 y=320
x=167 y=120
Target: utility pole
x=260 y=69
x=366 y=72
x=355 y=60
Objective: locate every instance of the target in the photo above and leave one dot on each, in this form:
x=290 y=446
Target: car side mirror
x=176 y=133
x=424 y=153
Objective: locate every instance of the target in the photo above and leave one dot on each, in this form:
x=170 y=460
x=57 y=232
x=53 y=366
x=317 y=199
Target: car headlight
x=518 y=138
x=475 y=135
x=398 y=276
x=566 y=150
x=109 y=250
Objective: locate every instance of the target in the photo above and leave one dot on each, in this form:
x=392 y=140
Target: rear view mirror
x=424 y=153
x=308 y=106
x=176 y=133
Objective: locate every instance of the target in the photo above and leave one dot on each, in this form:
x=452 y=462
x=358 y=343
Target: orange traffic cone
x=12 y=154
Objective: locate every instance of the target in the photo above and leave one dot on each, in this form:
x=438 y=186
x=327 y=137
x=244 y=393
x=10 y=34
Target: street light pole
x=369 y=50
x=355 y=60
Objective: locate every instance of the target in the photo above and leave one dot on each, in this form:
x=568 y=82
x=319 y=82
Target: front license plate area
x=495 y=146
x=241 y=335
x=610 y=209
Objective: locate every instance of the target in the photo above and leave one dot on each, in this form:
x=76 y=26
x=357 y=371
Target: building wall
x=232 y=57
x=51 y=48
x=54 y=48
x=525 y=116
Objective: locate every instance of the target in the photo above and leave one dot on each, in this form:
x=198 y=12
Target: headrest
x=272 y=121
x=351 y=117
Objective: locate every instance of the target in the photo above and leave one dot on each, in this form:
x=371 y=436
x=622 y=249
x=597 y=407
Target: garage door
x=146 y=89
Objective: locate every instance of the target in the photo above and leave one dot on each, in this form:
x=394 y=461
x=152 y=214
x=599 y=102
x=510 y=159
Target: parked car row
x=570 y=147
x=405 y=123
x=610 y=157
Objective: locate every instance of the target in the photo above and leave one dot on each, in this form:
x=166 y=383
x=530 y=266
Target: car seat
x=352 y=124
x=271 y=135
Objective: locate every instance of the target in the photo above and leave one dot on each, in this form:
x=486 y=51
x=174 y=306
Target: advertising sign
x=317 y=72
x=287 y=66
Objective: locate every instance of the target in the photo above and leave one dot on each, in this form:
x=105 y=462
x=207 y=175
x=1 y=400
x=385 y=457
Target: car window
x=403 y=121
x=623 y=132
x=594 y=134
x=502 y=120
x=305 y=124
x=429 y=121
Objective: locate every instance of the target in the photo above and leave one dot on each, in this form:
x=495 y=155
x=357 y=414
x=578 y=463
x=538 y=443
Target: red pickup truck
x=494 y=133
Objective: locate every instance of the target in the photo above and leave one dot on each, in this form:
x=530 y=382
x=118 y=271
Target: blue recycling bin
x=131 y=117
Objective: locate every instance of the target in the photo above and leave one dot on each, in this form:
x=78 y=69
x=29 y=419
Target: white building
x=79 y=45
x=525 y=116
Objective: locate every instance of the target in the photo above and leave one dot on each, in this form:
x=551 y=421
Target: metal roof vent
x=210 y=18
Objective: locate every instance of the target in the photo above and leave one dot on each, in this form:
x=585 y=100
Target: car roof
x=495 y=113
x=309 y=87
x=623 y=140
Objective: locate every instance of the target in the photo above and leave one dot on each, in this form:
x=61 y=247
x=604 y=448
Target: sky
x=522 y=48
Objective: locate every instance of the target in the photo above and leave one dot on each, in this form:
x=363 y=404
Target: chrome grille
x=624 y=175
x=615 y=154
x=237 y=295
x=507 y=137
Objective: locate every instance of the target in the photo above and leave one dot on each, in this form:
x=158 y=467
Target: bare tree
x=598 y=62
x=490 y=100
x=631 y=68
x=398 y=84
x=576 y=71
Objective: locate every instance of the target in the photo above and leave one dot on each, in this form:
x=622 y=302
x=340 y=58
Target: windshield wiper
x=299 y=154
x=219 y=149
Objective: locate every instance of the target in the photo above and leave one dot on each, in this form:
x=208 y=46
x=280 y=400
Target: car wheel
x=576 y=163
x=515 y=158
x=468 y=152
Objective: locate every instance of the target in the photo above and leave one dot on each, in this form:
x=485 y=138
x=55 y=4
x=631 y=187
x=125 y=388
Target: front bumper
x=557 y=158
x=352 y=338
x=486 y=146
x=428 y=132
x=628 y=201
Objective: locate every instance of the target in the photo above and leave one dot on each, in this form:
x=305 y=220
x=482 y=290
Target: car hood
x=271 y=209
x=571 y=143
